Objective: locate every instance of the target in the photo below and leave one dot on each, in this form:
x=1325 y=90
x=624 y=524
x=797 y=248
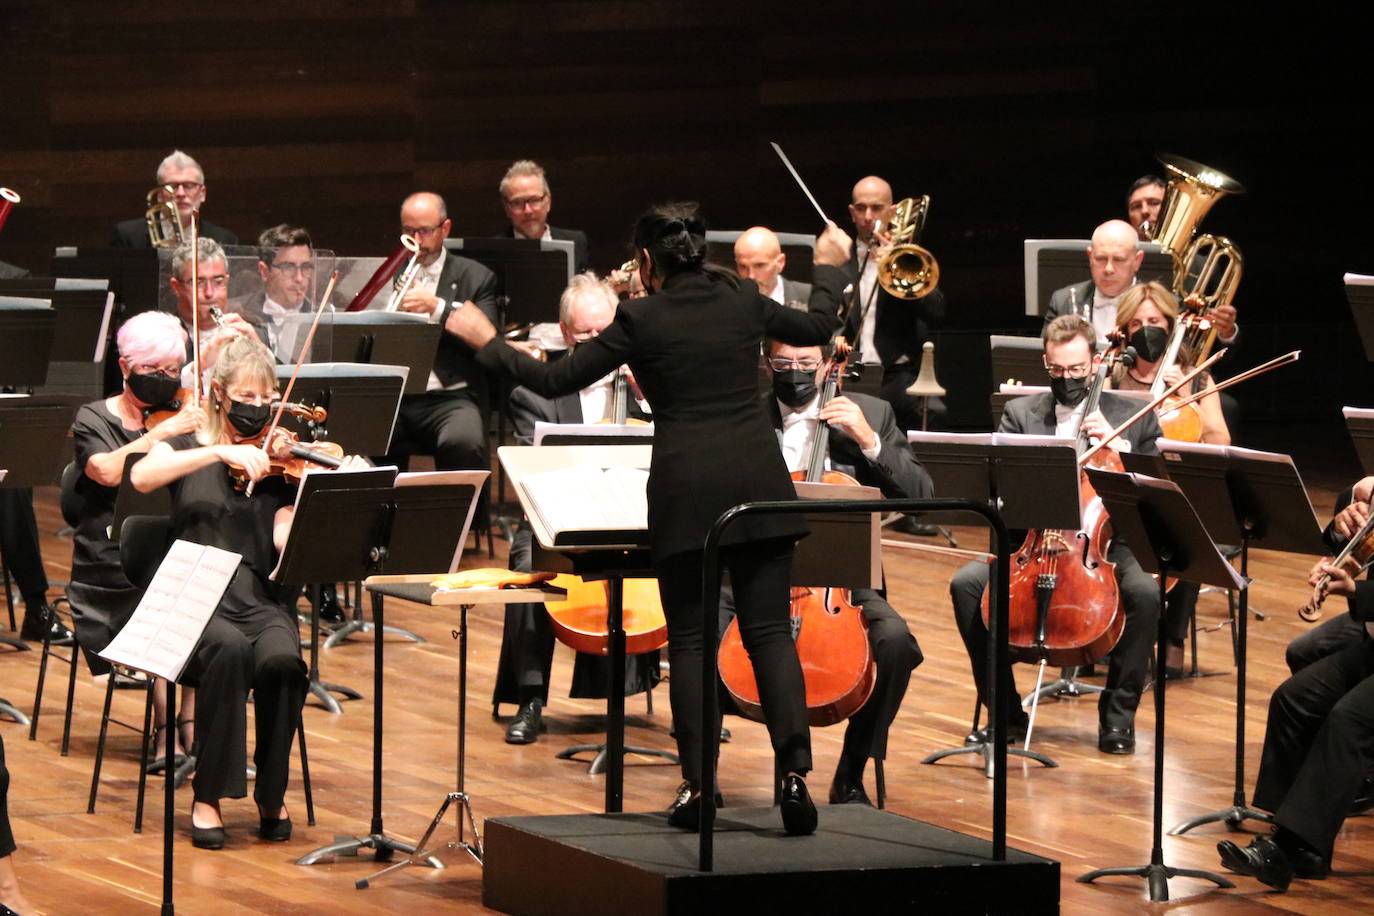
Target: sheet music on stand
x=1359 y=292
x=173 y=613
x=1359 y=422
x=562 y=515
x=591 y=433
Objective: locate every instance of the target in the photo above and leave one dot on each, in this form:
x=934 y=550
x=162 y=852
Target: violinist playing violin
x=252 y=641
x=1147 y=317
x=1071 y=359
x=866 y=443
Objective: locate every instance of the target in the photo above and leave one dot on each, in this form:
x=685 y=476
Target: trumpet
x=908 y=271
x=406 y=278
x=164 y=220
x=8 y=199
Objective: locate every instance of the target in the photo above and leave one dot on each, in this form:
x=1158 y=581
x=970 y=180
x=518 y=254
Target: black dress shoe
x=1262 y=860
x=685 y=811
x=845 y=792
x=41 y=619
x=274 y=829
x=1016 y=733
x=331 y=614
x=798 y=811
x=908 y=525
x=1364 y=799
x=528 y=722
x=208 y=837
x=1116 y=740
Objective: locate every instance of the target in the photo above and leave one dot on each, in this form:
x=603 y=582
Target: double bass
x=1064 y=605
x=828 y=628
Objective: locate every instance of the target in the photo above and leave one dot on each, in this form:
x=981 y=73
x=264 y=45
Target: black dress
x=694 y=348
x=102 y=598
x=252 y=641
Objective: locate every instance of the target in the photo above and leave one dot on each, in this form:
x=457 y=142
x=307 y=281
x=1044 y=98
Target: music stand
x=28 y=328
x=1359 y=422
x=353 y=533
x=1031 y=485
x=1359 y=292
x=1169 y=540
x=133 y=274
x=362 y=401
x=33 y=436
x=1243 y=497
x=379 y=338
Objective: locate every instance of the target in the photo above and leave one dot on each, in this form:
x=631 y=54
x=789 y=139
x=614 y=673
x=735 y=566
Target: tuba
x=908 y=271
x=164 y=221
x=1207 y=268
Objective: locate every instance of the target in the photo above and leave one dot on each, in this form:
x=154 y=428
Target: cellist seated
x=1071 y=360
x=866 y=443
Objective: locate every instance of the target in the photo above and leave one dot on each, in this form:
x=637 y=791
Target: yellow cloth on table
x=488 y=577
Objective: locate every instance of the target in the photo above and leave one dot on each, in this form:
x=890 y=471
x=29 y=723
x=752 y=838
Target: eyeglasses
x=419 y=231
x=521 y=203
x=303 y=270
x=203 y=283
x=805 y=365
x=183 y=185
x=1079 y=371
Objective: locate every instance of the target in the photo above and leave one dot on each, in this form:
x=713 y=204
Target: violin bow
x=195 y=307
x=1287 y=358
x=300 y=360
x=1131 y=421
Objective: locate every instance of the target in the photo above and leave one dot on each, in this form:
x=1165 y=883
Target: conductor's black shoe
x=528 y=722
x=908 y=525
x=37 y=619
x=845 y=792
x=798 y=811
x=1116 y=740
x=685 y=811
x=1262 y=860
x=1364 y=799
x=208 y=837
x=1016 y=733
x=331 y=613
x=274 y=829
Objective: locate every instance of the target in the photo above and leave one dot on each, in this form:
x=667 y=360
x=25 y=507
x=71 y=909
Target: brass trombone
x=908 y=271
x=164 y=220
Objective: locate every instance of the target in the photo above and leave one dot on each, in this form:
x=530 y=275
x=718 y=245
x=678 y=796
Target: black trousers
x=527 y=643
x=1129 y=662
x=761 y=575
x=263 y=655
x=1329 y=636
x=1318 y=744
x=450 y=425
x=6 y=834
x=1178 y=609
x=19 y=544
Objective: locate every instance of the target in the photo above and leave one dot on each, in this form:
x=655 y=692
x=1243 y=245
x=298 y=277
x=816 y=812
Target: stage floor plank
x=1093 y=811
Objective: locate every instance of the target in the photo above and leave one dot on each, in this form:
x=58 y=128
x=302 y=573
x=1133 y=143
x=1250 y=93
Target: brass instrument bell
x=164 y=220
x=908 y=271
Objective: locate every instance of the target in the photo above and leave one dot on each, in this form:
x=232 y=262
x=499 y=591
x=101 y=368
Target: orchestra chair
x=70 y=506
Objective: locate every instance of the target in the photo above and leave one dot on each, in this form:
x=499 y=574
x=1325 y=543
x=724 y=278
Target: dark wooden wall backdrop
x=1020 y=121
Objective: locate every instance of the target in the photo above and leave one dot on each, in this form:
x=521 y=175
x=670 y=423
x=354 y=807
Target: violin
x=829 y=629
x=289 y=458
x=1355 y=557
x=1064 y=601
x=161 y=413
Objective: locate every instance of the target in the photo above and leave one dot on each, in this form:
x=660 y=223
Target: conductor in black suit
x=1071 y=358
x=186 y=179
x=448 y=420
x=884 y=329
x=864 y=442
x=693 y=345
x=527 y=640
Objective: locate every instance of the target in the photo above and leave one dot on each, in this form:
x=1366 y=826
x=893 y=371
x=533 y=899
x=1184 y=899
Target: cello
x=829 y=630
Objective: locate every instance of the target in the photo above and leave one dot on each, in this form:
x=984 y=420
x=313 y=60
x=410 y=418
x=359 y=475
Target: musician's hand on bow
x=469 y=324
x=1173 y=376
x=1351 y=519
x=842 y=346
x=355 y=463
x=1095 y=426
x=252 y=459
x=1341 y=582
x=833 y=246
x=1363 y=489
x=1223 y=318
x=846 y=415
x=418 y=302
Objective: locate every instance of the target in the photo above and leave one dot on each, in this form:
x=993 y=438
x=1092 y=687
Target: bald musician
x=1114 y=258
x=759 y=257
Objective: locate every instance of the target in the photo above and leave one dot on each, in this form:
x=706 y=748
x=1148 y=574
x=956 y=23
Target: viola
x=156 y=416
x=828 y=628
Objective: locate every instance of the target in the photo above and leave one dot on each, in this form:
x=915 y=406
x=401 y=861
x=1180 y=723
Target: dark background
x=1020 y=120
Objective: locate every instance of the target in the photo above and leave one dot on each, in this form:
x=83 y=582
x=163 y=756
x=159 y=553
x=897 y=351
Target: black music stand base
x=323 y=690
x=599 y=762
x=9 y=709
x=473 y=848
x=349 y=846
x=986 y=750
x=358 y=625
x=1156 y=875
x=1066 y=685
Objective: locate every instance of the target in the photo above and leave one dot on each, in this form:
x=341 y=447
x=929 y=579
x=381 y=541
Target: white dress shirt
x=799 y=427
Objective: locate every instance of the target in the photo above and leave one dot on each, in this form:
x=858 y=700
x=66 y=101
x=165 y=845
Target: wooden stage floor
x=1093 y=811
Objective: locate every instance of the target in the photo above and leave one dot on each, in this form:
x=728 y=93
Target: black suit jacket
x=1034 y=414
x=463 y=280
x=1060 y=300
x=895 y=471
x=795 y=291
x=903 y=325
x=581 y=255
x=133 y=233
x=694 y=350
x=528 y=408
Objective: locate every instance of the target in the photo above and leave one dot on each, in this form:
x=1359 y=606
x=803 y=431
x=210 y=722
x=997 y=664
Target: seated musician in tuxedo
x=527 y=640
x=1318 y=749
x=1114 y=257
x=286 y=266
x=1339 y=630
x=212 y=293
x=864 y=442
x=1071 y=358
x=186 y=179
x=759 y=257
x=885 y=330
x=448 y=420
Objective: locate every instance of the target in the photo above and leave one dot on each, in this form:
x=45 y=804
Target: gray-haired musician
x=212 y=285
x=186 y=179
x=527 y=200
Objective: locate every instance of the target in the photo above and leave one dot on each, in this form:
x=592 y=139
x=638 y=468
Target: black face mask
x=248 y=419
x=153 y=389
x=1069 y=391
x=1150 y=342
x=794 y=387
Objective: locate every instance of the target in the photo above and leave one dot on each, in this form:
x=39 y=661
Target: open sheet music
x=161 y=635
x=584 y=504
x=917 y=436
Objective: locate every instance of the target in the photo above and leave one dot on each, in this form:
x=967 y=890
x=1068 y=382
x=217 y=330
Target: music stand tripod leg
x=321 y=690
